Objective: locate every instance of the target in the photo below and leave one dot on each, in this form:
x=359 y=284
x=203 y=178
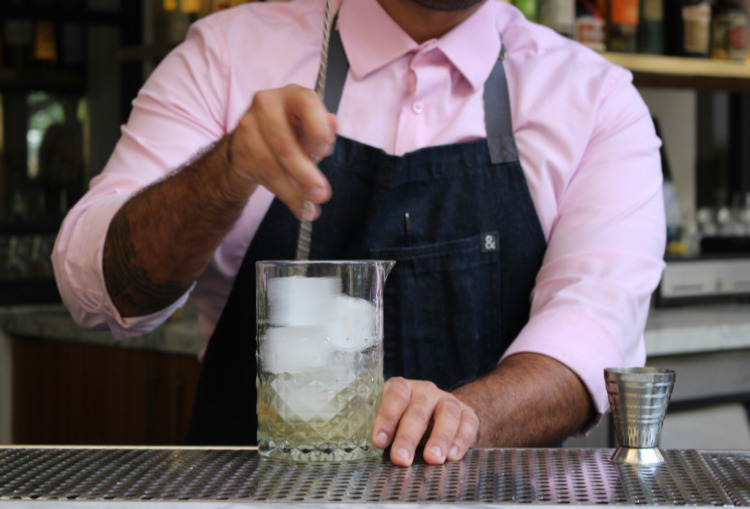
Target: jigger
x=638 y=400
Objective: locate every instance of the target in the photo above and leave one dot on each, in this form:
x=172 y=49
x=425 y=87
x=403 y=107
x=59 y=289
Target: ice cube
x=302 y=301
x=353 y=325
x=314 y=396
x=302 y=401
x=294 y=349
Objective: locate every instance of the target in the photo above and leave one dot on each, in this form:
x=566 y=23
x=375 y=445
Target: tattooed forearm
x=161 y=239
x=129 y=284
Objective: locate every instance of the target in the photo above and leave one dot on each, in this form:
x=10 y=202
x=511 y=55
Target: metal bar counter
x=110 y=477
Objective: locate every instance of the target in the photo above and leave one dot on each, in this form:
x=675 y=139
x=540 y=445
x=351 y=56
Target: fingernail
x=316 y=194
x=403 y=454
x=436 y=451
x=382 y=439
x=453 y=451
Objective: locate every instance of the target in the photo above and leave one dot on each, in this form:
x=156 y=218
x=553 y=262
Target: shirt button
x=417 y=107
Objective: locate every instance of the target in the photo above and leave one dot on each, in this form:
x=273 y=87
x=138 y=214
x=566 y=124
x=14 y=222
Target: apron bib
x=461 y=225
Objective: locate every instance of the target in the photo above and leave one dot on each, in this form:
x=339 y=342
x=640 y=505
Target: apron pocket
x=442 y=310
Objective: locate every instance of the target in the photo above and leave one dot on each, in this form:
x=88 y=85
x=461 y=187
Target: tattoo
x=130 y=285
x=177 y=224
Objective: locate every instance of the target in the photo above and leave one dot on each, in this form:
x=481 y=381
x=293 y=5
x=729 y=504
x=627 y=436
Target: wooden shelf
x=682 y=72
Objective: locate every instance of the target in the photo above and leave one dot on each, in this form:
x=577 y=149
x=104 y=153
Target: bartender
x=527 y=166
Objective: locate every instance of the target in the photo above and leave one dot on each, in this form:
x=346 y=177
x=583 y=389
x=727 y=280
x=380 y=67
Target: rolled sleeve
x=193 y=112
x=77 y=262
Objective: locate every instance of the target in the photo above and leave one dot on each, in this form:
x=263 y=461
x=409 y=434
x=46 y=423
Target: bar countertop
x=111 y=477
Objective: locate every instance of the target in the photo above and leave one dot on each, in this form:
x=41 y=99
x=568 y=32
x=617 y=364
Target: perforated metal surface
x=507 y=476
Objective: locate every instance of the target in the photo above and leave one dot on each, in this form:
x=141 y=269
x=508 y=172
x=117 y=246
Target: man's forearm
x=163 y=237
x=528 y=400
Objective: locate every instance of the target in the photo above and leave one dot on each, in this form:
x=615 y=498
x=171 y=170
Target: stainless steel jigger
x=638 y=400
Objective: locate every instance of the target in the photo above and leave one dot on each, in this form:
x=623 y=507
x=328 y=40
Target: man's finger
x=253 y=159
x=446 y=422
x=283 y=141
x=466 y=435
x=309 y=116
x=393 y=404
x=414 y=422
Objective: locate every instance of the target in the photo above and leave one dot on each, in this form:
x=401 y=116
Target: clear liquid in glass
x=320 y=358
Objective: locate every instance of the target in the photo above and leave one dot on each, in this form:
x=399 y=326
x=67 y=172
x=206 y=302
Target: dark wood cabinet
x=83 y=394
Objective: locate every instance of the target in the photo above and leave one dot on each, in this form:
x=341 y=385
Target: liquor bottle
x=45 y=42
x=529 y=8
x=673 y=28
x=651 y=27
x=696 y=23
x=590 y=25
x=560 y=15
x=729 y=28
x=603 y=7
x=623 y=25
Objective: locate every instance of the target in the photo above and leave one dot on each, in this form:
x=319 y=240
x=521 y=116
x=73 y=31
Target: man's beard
x=447 y=5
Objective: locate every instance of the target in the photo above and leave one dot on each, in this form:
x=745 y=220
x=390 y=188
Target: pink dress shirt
x=586 y=142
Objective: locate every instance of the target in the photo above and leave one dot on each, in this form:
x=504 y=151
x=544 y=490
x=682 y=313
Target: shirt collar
x=372 y=40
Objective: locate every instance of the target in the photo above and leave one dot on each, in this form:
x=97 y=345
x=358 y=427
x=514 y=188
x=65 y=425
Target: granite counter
x=178 y=335
x=675 y=331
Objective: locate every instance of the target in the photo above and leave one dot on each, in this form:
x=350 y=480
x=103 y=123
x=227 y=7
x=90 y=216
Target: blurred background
x=68 y=72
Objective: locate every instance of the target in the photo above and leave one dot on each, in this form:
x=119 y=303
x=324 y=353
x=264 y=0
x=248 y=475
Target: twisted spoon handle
x=305 y=226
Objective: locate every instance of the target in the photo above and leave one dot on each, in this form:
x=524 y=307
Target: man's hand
x=195 y=207
x=274 y=141
x=408 y=408
x=528 y=400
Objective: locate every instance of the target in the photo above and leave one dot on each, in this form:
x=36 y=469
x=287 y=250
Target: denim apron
x=461 y=225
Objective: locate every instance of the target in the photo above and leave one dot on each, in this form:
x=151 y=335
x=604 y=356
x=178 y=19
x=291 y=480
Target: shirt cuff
x=578 y=342
x=77 y=261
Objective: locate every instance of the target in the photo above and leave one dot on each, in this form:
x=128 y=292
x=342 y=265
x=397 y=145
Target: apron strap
x=338 y=68
x=499 y=125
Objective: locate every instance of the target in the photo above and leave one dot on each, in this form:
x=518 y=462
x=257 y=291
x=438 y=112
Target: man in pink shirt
x=528 y=165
